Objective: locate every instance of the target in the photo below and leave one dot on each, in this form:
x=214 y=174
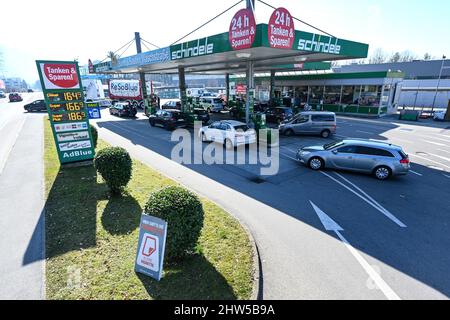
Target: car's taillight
x=404 y=161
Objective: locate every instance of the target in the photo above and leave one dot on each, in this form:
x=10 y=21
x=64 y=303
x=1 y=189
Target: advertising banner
x=242 y=30
x=124 y=89
x=69 y=117
x=151 y=246
x=281 y=30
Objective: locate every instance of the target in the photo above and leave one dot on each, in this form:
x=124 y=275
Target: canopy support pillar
x=250 y=90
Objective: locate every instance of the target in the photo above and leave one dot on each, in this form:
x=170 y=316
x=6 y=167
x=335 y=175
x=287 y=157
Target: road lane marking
x=435 y=143
x=330 y=225
x=366 y=132
x=440 y=139
x=416 y=173
x=440 y=157
x=384 y=212
x=444 y=151
x=364 y=193
x=429 y=160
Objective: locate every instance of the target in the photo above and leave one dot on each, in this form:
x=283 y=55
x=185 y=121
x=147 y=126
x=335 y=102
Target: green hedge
x=115 y=166
x=184 y=214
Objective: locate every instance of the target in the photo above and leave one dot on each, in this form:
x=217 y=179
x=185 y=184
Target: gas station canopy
x=214 y=54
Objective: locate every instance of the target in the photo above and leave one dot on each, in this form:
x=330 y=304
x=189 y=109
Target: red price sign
x=281 y=29
x=242 y=30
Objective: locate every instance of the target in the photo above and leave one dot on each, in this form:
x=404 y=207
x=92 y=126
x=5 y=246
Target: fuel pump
x=151 y=104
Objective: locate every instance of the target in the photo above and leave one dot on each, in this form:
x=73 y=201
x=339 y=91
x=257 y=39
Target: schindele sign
x=152 y=242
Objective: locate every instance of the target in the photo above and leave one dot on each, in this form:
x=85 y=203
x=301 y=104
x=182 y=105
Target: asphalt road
x=21 y=202
x=329 y=235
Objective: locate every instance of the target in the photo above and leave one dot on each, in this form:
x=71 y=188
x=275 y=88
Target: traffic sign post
x=151 y=246
x=67 y=112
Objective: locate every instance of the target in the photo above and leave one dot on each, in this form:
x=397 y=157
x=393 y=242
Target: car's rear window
x=323 y=117
x=241 y=128
x=374 y=152
x=403 y=155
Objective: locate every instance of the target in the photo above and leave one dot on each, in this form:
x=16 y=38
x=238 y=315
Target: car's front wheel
x=382 y=173
x=289 y=133
x=316 y=163
x=152 y=123
x=326 y=134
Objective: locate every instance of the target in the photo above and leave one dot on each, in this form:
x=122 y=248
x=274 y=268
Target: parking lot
x=399 y=227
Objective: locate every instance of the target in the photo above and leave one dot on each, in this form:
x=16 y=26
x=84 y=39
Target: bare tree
x=407 y=56
x=395 y=57
x=427 y=57
x=378 y=56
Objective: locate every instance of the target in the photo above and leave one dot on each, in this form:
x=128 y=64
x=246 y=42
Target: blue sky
x=47 y=30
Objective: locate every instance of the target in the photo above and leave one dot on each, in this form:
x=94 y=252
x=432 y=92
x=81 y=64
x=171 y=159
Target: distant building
x=421 y=87
x=415 y=70
x=15 y=85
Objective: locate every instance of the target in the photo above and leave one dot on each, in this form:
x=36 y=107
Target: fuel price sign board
x=69 y=117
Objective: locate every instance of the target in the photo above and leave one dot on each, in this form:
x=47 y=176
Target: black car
x=202 y=115
x=172 y=105
x=123 y=109
x=38 y=105
x=279 y=114
x=168 y=119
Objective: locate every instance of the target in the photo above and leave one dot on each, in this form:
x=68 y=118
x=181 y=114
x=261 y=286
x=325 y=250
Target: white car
x=228 y=132
x=439 y=115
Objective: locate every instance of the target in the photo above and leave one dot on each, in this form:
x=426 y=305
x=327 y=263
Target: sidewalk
x=22 y=258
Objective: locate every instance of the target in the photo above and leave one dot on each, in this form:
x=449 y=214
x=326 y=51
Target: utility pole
x=137 y=38
x=439 y=82
x=251 y=4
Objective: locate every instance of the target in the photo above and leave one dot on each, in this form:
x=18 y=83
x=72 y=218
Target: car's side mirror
x=335 y=151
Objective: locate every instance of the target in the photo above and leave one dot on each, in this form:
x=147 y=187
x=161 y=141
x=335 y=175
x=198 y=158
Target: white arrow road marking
x=375 y=205
x=331 y=225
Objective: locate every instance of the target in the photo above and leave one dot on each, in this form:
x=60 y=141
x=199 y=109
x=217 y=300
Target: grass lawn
x=91 y=241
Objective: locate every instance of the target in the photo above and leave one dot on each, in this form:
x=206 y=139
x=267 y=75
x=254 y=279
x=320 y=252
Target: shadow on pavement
x=419 y=251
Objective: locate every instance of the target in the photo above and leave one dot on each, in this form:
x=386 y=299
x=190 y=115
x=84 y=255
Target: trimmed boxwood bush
x=184 y=214
x=94 y=134
x=115 y=166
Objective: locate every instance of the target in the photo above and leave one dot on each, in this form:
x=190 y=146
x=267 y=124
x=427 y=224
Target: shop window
x=316 y=95
x=370 y=96
x=332 y=95
x=301 y=96
x=350 y=94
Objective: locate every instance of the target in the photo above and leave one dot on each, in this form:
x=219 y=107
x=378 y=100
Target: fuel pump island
x=246 y=48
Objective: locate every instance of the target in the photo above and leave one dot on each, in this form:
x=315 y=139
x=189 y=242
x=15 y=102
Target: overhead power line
x=153 y=45
x=299 y=20
x=222 y=13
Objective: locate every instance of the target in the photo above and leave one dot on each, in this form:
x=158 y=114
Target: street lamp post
x=439 y=82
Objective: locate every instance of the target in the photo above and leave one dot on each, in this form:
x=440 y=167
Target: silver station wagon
x=383 y=160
